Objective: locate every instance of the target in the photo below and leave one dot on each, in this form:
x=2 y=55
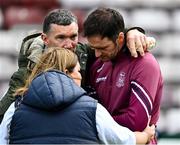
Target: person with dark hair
x=130 y=89
x=60 y=29
x=52 y=108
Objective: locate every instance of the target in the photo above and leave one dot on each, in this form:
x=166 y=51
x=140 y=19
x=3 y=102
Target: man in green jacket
x=60 y=28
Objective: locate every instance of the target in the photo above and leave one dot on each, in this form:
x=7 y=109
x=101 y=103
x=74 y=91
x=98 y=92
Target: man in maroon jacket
x=129 y=88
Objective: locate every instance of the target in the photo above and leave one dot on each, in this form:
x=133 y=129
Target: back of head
x=59 y=17
x=54 y=58
x=105 y=22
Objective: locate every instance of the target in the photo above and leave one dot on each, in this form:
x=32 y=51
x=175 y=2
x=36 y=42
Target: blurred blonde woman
x=52 y=108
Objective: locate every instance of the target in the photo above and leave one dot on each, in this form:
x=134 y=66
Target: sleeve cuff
x=138 y=28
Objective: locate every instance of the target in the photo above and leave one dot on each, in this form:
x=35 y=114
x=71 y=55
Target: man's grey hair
x=59 y=17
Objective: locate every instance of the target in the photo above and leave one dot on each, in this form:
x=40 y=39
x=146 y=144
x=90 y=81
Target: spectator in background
x=130 y=89
x=52 y=108
x=60 y=29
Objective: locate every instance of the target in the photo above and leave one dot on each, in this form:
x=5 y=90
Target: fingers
x=131 y=46
x=153 y=131
x=139 y=42
x=136 y=42
x=153 y=127
x=144 y=42
x=150 y=130
x=152 y=137
x=151 y=42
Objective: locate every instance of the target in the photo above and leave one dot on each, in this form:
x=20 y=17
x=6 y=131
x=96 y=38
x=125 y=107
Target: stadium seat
x=10 y=41
x=169 y=44
x=31 y=3
x=176 y=20
x=176 y=95
x=172 y=121
x=9 y=64
x=161 y=124
x=3 y=88
x=174 y=73
x=80 y=3
x=22 y=15
x=165 y=67
x=152 y=20
x=170 y=69
x=7 y=42
x=1 y=18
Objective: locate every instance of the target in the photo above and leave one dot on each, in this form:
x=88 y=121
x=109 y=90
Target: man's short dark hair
x=105 y=22
x=59 y=17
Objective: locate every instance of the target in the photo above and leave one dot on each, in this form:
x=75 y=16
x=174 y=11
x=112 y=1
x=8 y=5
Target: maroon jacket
x=129 y=88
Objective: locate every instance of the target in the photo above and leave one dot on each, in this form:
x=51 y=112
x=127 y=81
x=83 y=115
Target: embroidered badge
x=121 y=79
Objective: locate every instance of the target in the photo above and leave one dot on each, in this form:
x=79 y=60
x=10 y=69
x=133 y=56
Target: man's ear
x=44 y=38
x=120 y=39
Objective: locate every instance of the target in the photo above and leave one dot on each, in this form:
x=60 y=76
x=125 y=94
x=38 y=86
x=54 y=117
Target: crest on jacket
x=121 y=79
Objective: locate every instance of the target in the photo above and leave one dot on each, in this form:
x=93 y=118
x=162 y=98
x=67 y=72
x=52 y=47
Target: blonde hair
x=54 y=58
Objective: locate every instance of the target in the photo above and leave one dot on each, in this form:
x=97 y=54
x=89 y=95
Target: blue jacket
x=54 y=111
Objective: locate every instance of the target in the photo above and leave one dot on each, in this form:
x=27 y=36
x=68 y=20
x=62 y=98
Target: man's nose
x=69 y=44
x=97 y=53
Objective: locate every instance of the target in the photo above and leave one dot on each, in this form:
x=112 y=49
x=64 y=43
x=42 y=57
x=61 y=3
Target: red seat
x=29 y=3
x=1 y=18
x=80 y=14
x=22 y=15
x=41 y=3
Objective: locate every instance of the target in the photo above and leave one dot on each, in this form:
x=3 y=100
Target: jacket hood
x=52 y=90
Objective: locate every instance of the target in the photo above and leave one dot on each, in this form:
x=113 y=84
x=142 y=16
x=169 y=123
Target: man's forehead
x=98 y=40
x=73 y=27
